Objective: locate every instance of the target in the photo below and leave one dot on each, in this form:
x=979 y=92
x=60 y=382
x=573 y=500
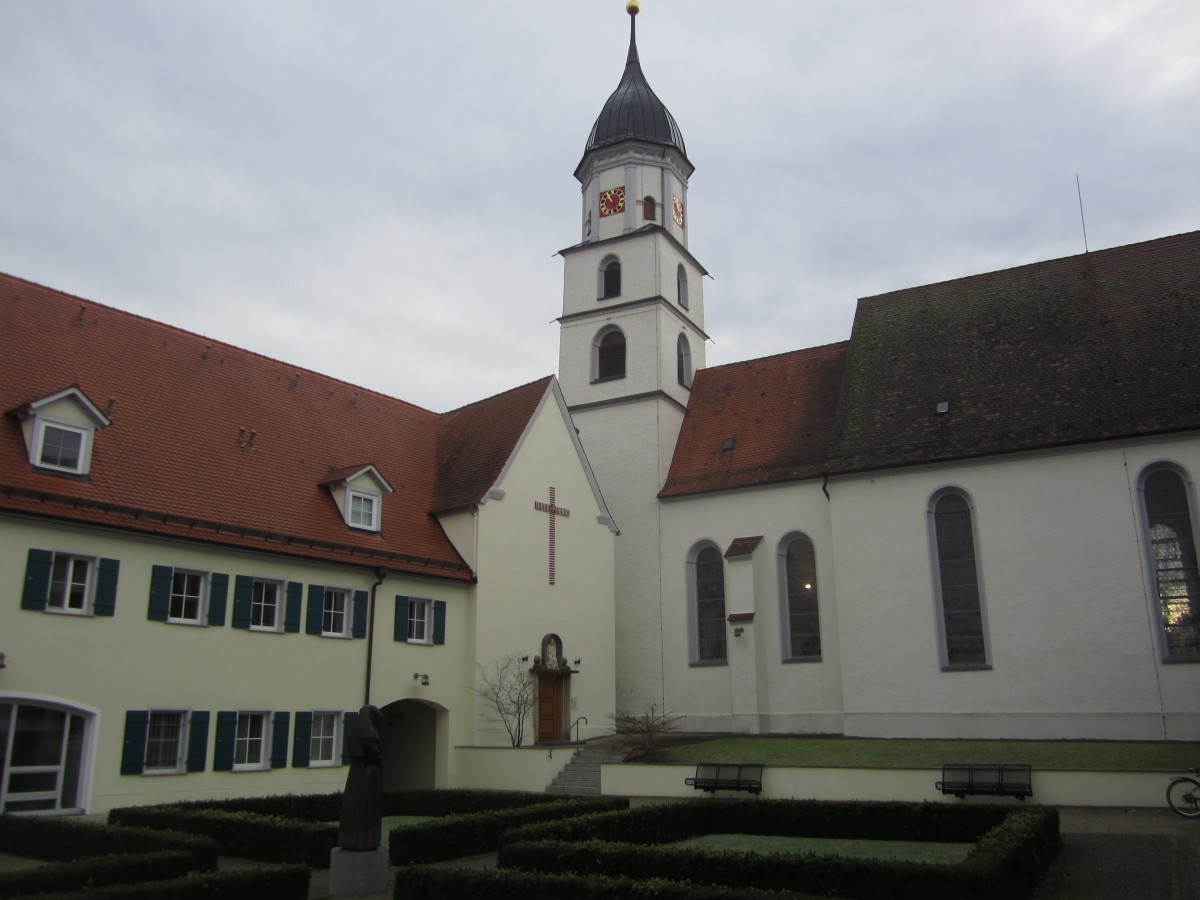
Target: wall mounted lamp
x=424 y=679
x=738 y=631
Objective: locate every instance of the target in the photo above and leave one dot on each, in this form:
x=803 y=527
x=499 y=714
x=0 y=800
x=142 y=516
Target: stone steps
x=581 y=775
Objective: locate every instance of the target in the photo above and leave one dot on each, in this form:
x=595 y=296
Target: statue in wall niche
x=362 y=801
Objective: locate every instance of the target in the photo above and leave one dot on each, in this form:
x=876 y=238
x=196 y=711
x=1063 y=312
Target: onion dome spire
x=633 y=112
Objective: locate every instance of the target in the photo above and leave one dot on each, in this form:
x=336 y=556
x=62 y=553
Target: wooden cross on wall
x=555 y=512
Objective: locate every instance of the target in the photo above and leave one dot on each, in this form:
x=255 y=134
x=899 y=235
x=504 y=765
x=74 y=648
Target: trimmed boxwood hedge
x=90 y=872
x=56 y=838
x=252 y=883
x=438 y=883
x=469 y=834
x=295 y=828
x=242 y=834
x=1015 y=847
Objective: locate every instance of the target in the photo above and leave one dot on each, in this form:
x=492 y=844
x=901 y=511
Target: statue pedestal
x=357 y=871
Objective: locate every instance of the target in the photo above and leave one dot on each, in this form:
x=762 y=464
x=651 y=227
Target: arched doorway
x=412 y=741
x=553 y=691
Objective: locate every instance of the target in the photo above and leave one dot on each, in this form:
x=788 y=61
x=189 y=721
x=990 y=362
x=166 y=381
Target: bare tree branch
x=509 y=692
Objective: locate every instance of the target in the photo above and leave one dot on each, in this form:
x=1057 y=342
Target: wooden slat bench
x=713 y=777
x=997 y=780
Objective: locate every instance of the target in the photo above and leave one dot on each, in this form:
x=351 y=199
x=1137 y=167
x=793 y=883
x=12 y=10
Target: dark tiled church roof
x=1087 y=348
x=214 y=443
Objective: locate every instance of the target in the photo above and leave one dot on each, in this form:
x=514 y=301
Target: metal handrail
x=575 y=725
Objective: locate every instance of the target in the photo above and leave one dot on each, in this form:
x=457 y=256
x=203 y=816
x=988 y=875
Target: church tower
x=631 y=337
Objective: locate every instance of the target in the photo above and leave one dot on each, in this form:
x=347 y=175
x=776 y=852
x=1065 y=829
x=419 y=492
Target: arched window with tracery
x=706 y=584
x=1171 y=546
x=683 y=361
x=798 y=580
x=963 y=636
x=681 y=286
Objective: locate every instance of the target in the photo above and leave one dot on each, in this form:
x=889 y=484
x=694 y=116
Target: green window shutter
x=295 y=602
x=301 y=740
x=160 y=593
x=439 y=621
x=279 y=739
x=348 y=720
x=133 y=754
x=243 y=597
x=223 y=745
x=197 y=749
x=316 y=609
x=38 y=567
x=106 y=587
x=400 y=628
x=358 y=627
x=218 y=593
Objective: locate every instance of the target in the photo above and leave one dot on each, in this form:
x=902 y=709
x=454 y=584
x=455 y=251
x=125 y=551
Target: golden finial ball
x=633 y=7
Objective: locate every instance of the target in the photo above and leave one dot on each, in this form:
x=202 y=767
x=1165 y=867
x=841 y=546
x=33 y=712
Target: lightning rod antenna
x=1082 y=220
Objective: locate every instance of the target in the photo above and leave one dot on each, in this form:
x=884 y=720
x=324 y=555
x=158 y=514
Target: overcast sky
x=375 y=189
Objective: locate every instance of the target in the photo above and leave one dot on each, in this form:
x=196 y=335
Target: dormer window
x=358 y=492
x=59 y=431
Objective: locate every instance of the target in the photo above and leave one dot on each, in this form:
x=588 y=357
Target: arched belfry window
x=683 y=361
x=798 y=583
x=706 y=585
x=957 y=587
x=608 y=354
x=681 y=286
x=610 y=278
x=649 y=209
x=1170 y=542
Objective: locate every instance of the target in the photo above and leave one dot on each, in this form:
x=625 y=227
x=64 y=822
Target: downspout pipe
x=381 y=572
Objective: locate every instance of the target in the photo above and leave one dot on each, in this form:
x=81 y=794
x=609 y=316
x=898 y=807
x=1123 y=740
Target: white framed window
x=264 y=606
x=250 y=741
x=608 y=354
x=71 y=584
x=420 y=621
x=62 y=447
x=334 y=618
x=958 y=593
x=364 y=511
x=681 y=286
x=1168 y=532
x=324 y=744
x=608 y=278
x=683 y=361
x=44 y=757
x=165 y=741
x=188 y=590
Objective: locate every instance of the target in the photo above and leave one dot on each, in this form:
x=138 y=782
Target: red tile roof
x=778 y=411
x=171 y=462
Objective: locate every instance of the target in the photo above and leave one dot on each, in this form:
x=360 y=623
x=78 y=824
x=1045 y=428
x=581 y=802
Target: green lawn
x=896 y=753
x=10 y=863
x=909 y=851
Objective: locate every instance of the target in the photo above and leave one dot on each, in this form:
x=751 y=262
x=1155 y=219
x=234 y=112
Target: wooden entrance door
x=550 y=709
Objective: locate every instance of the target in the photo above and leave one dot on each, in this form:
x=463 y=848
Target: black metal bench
x=1002 y=781
x=713 y=777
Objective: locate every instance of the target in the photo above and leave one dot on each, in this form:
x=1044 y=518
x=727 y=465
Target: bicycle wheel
x=1183 y=796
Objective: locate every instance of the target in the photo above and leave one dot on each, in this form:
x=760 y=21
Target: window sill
x=608 y=378
x=967 y=667
x=788 y=660
x=707 y=663
x=428 y=643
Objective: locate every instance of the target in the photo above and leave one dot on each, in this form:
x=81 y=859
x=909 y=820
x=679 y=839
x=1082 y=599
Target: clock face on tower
x=612 y=201
x=677 y=211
